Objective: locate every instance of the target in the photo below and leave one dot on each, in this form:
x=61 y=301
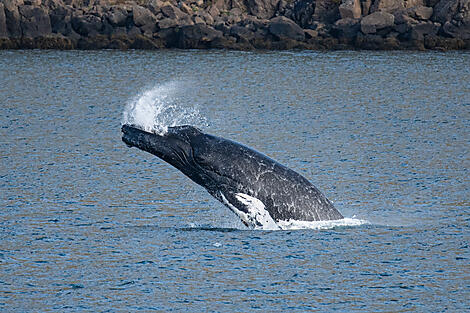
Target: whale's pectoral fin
x=251 y=210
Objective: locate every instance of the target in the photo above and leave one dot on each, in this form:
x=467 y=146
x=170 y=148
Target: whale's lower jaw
x=256 y=216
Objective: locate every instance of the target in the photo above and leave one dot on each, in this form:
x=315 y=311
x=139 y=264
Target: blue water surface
x=87 y=224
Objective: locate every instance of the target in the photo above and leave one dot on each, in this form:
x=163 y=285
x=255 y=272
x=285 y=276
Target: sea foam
x=345 y=222
x=156 y=109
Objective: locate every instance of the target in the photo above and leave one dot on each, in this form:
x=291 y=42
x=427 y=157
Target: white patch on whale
x=257 y=216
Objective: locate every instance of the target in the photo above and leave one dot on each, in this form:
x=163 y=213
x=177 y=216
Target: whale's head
x=185 y=147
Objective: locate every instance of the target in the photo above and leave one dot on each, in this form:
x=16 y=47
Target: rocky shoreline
x=235 y=24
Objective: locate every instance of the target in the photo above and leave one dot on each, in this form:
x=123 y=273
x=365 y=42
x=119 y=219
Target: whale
x=263 y=193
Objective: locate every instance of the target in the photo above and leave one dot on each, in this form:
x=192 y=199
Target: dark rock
x=142 y=16
x=154 y=6
x=35 y=21
x=346 y=28
x=167 y=23
x=134 y=31
x=223 y=27
x=378 y=20
x=206 y=17
x=326 y=11
x=422 y=29
x=284 y=28
x=144 y=19
x=172 y=12
x=444 y=10
x=61 y=18
x=302 y=13
x=197 y=36
x=461 y=32
x=264 y=9
x=3 y=22
x=12 y=16
x=142 y=42
x=241 y=33
x=444 y=44
x=93 y=42
x=119 y=43
x=376 y=42
x=455 y=17
x=117 y=16
x=87 y=25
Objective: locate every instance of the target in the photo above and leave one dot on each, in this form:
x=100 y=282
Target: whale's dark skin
x=226 y=168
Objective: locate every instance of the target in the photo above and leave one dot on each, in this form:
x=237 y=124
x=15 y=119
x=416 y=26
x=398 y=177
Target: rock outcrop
x=235 y=24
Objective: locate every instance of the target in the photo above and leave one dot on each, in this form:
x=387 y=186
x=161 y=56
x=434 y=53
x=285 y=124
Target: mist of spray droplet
x=156 y=109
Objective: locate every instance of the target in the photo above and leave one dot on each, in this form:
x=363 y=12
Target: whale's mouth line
x=126 y=127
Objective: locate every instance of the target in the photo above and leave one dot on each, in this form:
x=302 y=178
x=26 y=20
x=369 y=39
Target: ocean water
x=87 y=224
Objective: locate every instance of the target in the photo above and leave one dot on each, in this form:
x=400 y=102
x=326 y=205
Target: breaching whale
x=258 y=189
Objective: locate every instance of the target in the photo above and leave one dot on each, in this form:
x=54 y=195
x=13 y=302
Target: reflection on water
x=88 y=224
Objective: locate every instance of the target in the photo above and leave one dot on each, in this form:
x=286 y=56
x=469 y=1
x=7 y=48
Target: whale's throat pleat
x=251 y=211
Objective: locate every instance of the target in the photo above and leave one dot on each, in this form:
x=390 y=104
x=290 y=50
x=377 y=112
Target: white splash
x=157 y=109
x=345 y=222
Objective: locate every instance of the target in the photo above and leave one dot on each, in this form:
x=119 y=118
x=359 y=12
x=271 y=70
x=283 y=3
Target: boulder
x=403 y=22
x=264 y=9
x=284 y=28
x=421 y=12
x=3 y=22
x=87 y=25
x=459 y=32
x=117 y=16
x=144 y=19
x=61 y=17
x=142 y=16
x=154 y=6
x=12 y=16
x=185 y=8
x=197 y=36
x=214 y=12
x=302 y=13
x=326 y=11
x=172 y=12
x=35 y=21
x=167 y=23
x=206 y=17
x=350 y=9
x=444 y=10
x=142 y=42
x=241 y=33
x=457 y=24
x=346 y=28
x=386 y=5
x=375 y=21
x=413 y=3
x=310 y=33
x=419 y=31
